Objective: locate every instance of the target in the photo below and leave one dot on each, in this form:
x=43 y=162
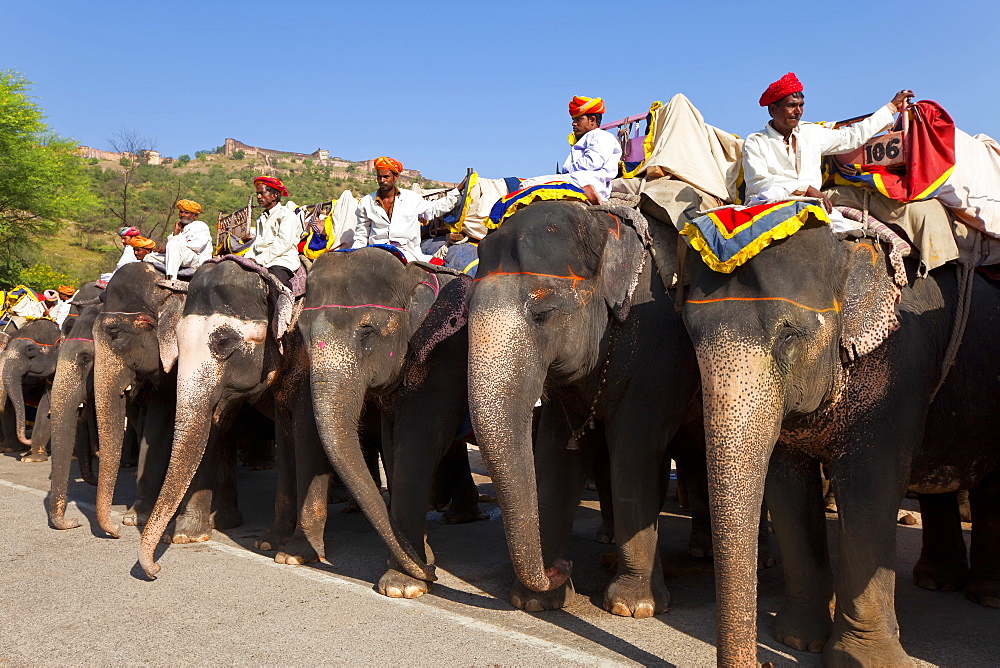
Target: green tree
x=42 y=180
x=182 y=160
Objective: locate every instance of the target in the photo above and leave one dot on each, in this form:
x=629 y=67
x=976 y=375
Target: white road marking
x=563 y=652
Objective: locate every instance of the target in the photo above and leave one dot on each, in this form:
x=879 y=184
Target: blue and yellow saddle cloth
x=510 y=204
x=727 y=238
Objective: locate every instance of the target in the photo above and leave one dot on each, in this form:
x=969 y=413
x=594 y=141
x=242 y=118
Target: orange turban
x=783 y=87
x=274 y=183
x=585 y=105
x=189 y=206
x=67 y=290
x=143 y=242
x=394 y=166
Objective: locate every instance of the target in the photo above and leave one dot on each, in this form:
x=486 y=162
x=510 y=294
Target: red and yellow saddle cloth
x=727 y=238
x=553 y=190
x=929 y=152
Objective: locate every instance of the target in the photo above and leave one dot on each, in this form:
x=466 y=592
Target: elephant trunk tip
x=62 y=524
x=112 y=529
x=147 y=556
x=23 y=438
x=559 y=573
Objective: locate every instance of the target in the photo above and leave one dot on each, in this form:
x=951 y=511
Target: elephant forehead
x=199 y=328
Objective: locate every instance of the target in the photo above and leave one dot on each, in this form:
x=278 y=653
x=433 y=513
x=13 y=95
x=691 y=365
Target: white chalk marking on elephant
x=564 y=652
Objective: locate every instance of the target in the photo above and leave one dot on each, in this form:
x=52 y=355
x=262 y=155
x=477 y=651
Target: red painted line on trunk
x=387 y=308
x=835 y=307
x=24 y=338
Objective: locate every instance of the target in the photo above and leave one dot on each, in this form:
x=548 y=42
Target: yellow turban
x=394 y=166
x=189 y=206
x=585 y=105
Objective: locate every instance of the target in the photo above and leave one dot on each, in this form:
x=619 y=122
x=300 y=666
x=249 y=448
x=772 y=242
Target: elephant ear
x=437 y=308
x=166 y=330
x=868 y=309
x=621 y=263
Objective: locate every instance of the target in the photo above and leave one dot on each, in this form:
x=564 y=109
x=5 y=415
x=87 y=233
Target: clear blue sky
x=447 y=85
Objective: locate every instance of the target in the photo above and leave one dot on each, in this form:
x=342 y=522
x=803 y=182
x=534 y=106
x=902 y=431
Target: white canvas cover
x=687 y=148
x=973 y=190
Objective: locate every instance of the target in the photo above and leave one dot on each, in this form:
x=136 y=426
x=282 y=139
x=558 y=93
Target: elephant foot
x=395 y=584
x=700 y=545
x=983 y=591
x=272 y=539
x=14 y=446
x=628 y=596
x=463 y=516
x=525 y=599
x=852 y=651
x=226 y=518
x=940 y=576
x=33 y=456
x=805 y=628
x=298 y=551
x=189 y=530
x=605 y=534
x=135 y=518
x=764 y=557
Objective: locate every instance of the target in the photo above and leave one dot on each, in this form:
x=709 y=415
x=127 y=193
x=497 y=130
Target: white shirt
x=781 y=169
x=196 y=237
x=60 y=310
x=128 y=256
x=403 y=231
x=593 y=161
x=278 y=232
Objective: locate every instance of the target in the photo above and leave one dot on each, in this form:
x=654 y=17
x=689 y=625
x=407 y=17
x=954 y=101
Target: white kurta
x=128 y=256
x=593 y=161
x=190 y=248
x=403 y=231
x=769 y=163
x=278 y=233
x=60 y=310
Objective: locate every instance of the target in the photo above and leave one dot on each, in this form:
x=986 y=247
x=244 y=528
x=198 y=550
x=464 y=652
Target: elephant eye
x=542 y=314
x=223 y=341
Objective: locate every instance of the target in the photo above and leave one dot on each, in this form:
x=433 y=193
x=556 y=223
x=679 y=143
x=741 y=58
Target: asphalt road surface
x=74 y=598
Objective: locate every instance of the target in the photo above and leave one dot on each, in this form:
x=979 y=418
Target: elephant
x=135 y=350
x=568 y=307
x=820 y=349
x=231 y=354
x=74 y=422
x=29 y=362
x=395 y=334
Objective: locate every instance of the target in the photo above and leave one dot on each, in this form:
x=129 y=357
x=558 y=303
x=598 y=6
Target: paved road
x=71 y=597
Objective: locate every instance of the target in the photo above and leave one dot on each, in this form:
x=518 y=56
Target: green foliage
x=93 y=161
x=238 y=155
x=182 y=160
x=125 y=161
x=200 y=155
x=40 y=277
x=42 y=180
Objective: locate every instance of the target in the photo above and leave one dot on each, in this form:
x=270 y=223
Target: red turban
x=274 y=183
x=783 y=87
x=585 y=105
x=189 y=206
x=394 y=166
x=129 y=232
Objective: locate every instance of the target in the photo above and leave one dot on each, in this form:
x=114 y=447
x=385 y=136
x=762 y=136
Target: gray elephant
x=806 y=356
x=29 y=363
x=568 y=306
x=73 y=419
x=396 y=334
x=135 y=350
x=231 y=352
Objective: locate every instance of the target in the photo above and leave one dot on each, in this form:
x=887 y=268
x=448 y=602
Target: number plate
x=885 y=150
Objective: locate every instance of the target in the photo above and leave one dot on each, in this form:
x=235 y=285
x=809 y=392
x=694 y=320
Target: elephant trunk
x=743 y=414
x=68 y=392
x=505 y=379
x=13 y=378
x=338 y=395
x=111 y=378
x=198 y=389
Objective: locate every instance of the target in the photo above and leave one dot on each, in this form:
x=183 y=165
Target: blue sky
x=447 y=85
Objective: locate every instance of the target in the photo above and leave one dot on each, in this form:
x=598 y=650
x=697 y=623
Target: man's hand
x=177 y=228
x=902 y=100
x=461 y=186
x=814 y=192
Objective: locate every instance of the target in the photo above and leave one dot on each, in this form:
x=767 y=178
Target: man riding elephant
x=784 y=159
x=278 y=229
x=191 y=243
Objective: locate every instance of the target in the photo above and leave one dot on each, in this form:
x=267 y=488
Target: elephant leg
x=943 y=564
x=637 y=452
x=456 y=475
x=130 y=444
x=601 y=470
x=86 y=440
x=983 y=585
x=7 y=423
x=154 y=455
x=312 y=473
x=794 y=496
x=193 y=523
x=869 y=480
x=41 y=433
x=688 y=450
x=226 y=512
x=285 y=506
x=559 y=478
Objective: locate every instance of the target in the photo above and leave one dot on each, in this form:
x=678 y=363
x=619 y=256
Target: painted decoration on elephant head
x=730 y=237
